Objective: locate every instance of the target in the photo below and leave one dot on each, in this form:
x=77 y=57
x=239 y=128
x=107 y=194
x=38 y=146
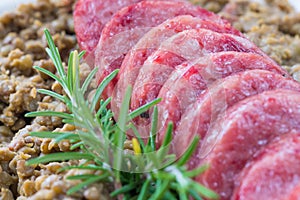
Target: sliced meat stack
x=188 y=82
x=151 y=41
x=213 y=82
x=244 y=129
x=182 y=47
x=219 y=96
x=130 y=23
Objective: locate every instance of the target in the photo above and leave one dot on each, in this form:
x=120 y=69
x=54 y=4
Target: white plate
x=10 y=5
x=296 y=4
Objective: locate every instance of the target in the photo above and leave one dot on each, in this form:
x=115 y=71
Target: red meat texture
x=129 y=24
x=185 y=46
x=90 y=17
x=245 y=128
x=150 y=42
x=274 y=173
x=187 y=83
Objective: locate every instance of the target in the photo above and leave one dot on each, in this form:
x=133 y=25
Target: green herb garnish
x=147 y=173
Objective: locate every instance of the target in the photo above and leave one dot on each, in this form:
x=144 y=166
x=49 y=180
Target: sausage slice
x=90 y=16
x=274 y=173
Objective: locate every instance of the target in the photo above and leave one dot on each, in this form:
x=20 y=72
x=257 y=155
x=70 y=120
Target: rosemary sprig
x=148 y=173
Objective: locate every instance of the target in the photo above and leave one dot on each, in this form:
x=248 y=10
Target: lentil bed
x=274 y=26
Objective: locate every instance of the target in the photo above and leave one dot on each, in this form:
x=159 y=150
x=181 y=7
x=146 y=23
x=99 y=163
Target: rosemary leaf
x=84 y=184
x=67 y=136
x=103 y=105
x=169 y=196
x=61 y=156
x=88 y=176
x=143 y=108
x=81 y=54
x=204 y=191
x=153 y=131
x=49 y=74
x=87 y=167
x=80 y=177
x=189 y=152
x=76 y=145
x=54 y=54
x=91 y=141
x=124 y=189
x=161 y=188
x=119 y=136
x=45 y=134
x=76 y=74
x=101 y=88
x=165 y=147
x=164 y=176
x=49 y=113
x=144 y=191
x=70 y=72
x=182 y=194
x=88 y=80
x=196 y=171
x=52 y=94
x=68 y=121
x=168 y=137
x=194 y=194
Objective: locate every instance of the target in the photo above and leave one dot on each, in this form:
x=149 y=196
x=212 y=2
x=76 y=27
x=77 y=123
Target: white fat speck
x=189 y=49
